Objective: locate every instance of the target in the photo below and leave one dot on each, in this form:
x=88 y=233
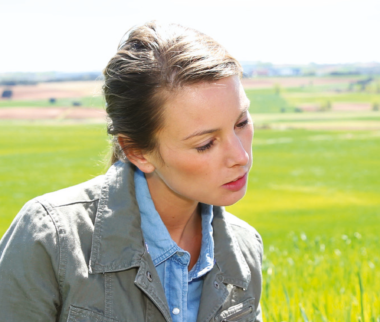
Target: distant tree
x=7 y=93
x=277 y=88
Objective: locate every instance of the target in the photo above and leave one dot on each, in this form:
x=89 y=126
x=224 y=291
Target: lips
x=236 y=179
x=236 y=184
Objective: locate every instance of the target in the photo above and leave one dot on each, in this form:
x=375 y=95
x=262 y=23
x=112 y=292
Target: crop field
x=314 y=196
x=314 y=189
x=267 y=94
x=334 y=97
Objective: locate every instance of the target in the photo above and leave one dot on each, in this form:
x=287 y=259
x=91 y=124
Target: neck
x=180 y=216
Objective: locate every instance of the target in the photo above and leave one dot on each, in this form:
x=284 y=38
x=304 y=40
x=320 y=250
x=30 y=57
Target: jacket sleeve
x=259 y=315
x=29 y=260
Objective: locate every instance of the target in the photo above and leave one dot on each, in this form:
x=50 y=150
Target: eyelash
x=211 y=143
x=205 y=147
x=242 y=124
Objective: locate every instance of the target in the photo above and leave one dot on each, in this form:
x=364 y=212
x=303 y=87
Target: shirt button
x=176 y=310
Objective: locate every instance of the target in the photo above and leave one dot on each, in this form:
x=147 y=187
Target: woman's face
x=205 y=144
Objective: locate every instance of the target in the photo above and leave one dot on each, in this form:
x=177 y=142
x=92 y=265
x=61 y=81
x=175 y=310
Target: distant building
x=287 y=71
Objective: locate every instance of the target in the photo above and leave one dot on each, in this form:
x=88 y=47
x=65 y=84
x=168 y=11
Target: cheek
x=197 y=167
x=247 y=139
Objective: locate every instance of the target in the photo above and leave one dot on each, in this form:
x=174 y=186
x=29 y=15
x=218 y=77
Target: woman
x=150 y=240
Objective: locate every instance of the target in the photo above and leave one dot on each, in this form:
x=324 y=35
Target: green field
x=313 y=195
x=315 y=198
x=90 y=101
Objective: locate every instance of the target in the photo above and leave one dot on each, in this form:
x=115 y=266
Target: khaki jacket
x=78 y=254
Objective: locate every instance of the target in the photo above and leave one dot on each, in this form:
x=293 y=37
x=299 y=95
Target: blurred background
x=312 y=73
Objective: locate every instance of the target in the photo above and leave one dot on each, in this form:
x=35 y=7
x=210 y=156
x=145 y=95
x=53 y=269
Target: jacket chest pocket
x=77 y=314
x=242 y=312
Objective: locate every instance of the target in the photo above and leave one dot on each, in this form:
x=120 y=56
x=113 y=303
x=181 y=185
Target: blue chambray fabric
x=182 y=288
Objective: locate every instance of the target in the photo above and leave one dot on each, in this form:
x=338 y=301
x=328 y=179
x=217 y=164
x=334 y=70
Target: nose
x=236 y=154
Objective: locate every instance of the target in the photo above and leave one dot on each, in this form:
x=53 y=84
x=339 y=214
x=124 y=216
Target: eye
x=242 y=124
x=205 y=147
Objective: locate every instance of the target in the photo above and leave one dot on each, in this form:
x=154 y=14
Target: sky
x=81 y=35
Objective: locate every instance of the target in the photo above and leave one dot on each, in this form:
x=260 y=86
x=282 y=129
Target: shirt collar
x=161 y=246
x=206 y=258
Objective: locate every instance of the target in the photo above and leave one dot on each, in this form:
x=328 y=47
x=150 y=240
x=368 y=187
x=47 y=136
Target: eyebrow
x=198 y=133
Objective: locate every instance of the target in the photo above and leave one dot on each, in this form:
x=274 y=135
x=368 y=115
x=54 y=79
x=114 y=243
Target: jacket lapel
x=230 y=268
x=228 y=254
x=214 y=294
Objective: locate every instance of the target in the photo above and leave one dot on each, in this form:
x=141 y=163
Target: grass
x=42 y=158
x=316 y=203
x=90 y=101
x=266 y=101
x=300 y=98
x=314 y=196
x=369 y=120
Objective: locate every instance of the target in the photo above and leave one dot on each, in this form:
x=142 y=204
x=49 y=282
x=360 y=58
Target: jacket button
x=149 y=276
x=216 y=284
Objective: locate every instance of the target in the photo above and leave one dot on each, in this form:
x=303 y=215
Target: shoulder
x=74 y=206
x=32 y=222
x=247 y=236
x=88 y=191
x=31 y=241
x=29 y=264
x=43 y=219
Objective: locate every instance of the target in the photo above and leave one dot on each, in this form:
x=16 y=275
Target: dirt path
x=94 y=88
x=54 y=90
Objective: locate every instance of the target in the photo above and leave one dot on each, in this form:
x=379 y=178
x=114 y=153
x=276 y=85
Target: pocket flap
x=77 y=314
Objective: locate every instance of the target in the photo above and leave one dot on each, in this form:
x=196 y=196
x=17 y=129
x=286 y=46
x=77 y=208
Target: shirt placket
x=176 y=281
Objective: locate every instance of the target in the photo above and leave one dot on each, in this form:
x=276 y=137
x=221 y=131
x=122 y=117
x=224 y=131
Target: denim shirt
x=183 y=289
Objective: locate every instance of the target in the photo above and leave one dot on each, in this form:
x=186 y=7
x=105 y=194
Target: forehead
x=204 y=104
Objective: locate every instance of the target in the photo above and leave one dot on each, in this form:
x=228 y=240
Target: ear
x=136 y=157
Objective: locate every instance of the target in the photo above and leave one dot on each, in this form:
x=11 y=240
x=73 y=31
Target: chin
x=231 y=199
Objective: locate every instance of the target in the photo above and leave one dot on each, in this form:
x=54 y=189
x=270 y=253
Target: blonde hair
x=152 y=61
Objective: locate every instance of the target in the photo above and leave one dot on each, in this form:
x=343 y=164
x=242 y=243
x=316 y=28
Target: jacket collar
x=228 y=255
x=118 y=242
